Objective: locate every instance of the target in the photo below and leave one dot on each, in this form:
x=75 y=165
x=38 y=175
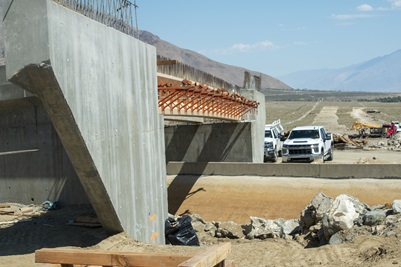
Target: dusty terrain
x=218 y=198
x=224 y=199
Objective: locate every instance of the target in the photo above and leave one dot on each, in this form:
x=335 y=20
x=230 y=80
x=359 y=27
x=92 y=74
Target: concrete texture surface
x=219 y=142
x=389 y=171
x=35 y=166
x=99 y=88
x=258 y=119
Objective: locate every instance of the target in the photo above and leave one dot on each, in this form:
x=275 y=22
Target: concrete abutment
x=98 y=87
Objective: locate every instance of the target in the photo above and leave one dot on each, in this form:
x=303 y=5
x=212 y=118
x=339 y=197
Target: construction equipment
x=372 y=130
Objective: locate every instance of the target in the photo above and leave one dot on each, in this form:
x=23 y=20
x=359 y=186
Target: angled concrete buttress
x=99 y=88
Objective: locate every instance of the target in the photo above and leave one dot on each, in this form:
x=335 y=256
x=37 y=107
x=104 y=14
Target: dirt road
x=222 y=198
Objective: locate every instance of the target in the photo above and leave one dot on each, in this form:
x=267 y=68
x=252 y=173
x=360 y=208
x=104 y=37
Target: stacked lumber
x=214 y=256
x=341 y=140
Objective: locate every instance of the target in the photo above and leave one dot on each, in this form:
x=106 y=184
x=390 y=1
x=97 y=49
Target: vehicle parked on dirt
x=308 y=143
x=273 y=144
x=397 y=125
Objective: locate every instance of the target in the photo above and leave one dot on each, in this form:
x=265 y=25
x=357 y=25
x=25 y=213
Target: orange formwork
x=199 y=100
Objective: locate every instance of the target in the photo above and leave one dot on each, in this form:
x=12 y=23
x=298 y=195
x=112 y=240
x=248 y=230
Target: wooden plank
x=107 y=258
x=166 y=62
x=211 y=257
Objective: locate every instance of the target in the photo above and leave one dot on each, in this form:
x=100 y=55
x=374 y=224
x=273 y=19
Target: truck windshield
x=295 y=134
x=268 y=134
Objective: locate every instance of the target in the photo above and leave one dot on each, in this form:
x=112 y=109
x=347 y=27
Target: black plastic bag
x=180 y=231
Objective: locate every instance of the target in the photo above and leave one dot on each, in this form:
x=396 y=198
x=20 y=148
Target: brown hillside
x=231 y=74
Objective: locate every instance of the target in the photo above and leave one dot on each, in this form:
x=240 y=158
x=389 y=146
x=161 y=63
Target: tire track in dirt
x=328 y=118
x=303 y=116
x=361 y=116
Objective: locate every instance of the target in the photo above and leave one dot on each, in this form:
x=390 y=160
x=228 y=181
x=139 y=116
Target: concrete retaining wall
x=34 y=164
x=99 y=87
x=349 y=171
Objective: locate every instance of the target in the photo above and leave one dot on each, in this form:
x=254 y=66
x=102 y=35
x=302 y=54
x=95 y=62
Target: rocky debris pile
x=395 y=142
x=325 y=220
x=258 y=228
x=331 y=221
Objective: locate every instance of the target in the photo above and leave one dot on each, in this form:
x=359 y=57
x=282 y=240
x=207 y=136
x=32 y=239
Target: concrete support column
x=99 y=88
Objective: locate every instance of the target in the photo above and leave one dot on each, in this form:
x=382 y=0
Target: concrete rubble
x=325 y=220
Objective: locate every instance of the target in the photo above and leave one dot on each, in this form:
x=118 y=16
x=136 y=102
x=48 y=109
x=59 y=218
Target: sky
x=277 y=37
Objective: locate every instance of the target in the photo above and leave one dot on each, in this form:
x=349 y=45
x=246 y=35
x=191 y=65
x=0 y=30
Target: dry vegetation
x=296 y=113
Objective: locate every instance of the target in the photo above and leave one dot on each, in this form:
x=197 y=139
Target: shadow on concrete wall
x=34 y=165
x=178 y=141
x=223 y=142
x=218 y=142
x=180 y=189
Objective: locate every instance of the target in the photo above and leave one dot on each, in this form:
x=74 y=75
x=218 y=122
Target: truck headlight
x=268 y=144
x=315 y=148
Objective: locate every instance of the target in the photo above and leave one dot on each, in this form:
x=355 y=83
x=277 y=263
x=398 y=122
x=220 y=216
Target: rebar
x=113 y=13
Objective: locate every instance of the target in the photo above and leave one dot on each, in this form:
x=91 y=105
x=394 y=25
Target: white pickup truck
x=308 y=143
x=272 y=142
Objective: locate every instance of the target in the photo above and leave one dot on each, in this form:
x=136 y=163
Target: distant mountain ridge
x=231 y=74
x=380 y=74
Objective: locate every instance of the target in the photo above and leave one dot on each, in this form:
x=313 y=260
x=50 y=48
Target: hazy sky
x=277 y=37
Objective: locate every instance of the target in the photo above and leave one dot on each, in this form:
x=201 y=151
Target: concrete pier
x=98 y=87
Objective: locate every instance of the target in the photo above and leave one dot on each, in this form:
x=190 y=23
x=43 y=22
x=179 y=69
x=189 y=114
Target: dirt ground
x=219 y=198
x=236 y=198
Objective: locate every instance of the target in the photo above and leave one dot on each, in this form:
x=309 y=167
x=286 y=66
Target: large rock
x=322 y=203
x=315 y=211
x=374 y=217
x=342 y=214
x=210 y=228
x=262 y=229
x=229 y=230
x=308 y=218
x=290 y=227
x=397 y=206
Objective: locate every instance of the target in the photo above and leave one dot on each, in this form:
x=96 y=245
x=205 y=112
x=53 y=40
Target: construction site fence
x=187 y=72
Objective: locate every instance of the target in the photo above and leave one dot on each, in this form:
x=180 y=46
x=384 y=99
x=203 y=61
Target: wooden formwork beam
x=212 y=257
x=191 y=99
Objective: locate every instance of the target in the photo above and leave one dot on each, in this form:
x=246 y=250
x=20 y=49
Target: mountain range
x=231 y=74
x=380 y=74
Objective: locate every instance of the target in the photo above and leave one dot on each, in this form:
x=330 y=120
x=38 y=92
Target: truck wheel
x=322 y=158
x=275 y=157
x=331 y=155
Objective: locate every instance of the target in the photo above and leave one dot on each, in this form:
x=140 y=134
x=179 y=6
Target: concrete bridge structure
x=80 y=121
